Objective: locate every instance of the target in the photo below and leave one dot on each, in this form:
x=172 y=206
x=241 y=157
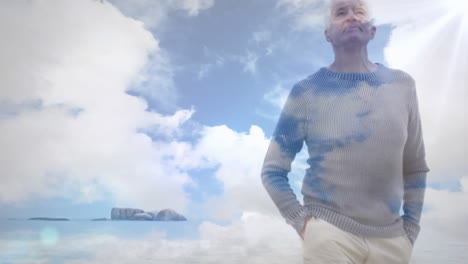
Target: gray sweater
x=366 y=153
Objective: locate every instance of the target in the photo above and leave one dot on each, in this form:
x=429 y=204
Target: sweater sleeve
x=414 y=171
x=286 y=142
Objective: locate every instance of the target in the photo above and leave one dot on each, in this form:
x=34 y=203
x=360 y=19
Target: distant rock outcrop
x=124 y=213
x=143 y=216
x=169 y=215
x=140 y=215
x=49 y=219
x=100 y=219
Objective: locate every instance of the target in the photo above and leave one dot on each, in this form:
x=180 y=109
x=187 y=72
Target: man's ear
x=373 y=31
x=327 y=36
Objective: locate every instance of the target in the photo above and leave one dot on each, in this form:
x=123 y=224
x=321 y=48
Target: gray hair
x=328 y=11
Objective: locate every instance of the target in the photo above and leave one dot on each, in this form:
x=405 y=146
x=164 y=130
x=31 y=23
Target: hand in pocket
x=304 y=228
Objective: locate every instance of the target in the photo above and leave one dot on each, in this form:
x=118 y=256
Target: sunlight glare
x=459 y=6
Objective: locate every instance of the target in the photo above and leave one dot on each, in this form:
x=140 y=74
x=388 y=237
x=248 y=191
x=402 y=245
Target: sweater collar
x=352 y=76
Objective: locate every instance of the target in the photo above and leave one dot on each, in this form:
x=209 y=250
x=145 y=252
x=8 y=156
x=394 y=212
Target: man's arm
x=286 y=142
x=414 y=171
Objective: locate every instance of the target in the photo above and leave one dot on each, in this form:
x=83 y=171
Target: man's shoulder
x=307 y=83
x=302 y=86
x=398 y=75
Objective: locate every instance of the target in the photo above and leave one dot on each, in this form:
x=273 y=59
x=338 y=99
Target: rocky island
x=100 y=219
x=140 y=215
x=49 y=219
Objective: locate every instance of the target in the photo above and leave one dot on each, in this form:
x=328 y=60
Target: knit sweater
x=366 y=153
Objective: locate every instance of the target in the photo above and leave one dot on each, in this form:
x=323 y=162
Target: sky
x=172 y=103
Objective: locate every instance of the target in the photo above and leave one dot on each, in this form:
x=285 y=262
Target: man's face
x=349 y=22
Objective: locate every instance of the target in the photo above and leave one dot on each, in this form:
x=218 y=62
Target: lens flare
x=49 y=236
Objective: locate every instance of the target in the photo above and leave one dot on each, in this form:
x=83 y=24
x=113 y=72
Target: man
x=361 y=124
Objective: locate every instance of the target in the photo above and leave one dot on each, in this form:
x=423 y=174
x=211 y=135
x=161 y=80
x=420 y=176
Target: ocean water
x=85 y=241
x=79 y=241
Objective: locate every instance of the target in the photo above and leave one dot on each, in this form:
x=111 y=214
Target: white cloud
x=193 y=7
x=216 y=61
x=261 y=36
x=204 y=70
x=155 y=13
x=274 y=99
x=155 y=80
x=277 y=96
x=446 y=209
x=69 y=128
x=269 y=42
x=249 y=62
x=239 y=157
x=306 y=14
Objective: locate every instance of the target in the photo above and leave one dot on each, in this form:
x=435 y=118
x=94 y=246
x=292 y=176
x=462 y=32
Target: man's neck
x=352 y=62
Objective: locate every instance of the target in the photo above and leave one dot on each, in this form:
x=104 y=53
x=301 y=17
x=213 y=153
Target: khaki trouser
x=325 y=243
